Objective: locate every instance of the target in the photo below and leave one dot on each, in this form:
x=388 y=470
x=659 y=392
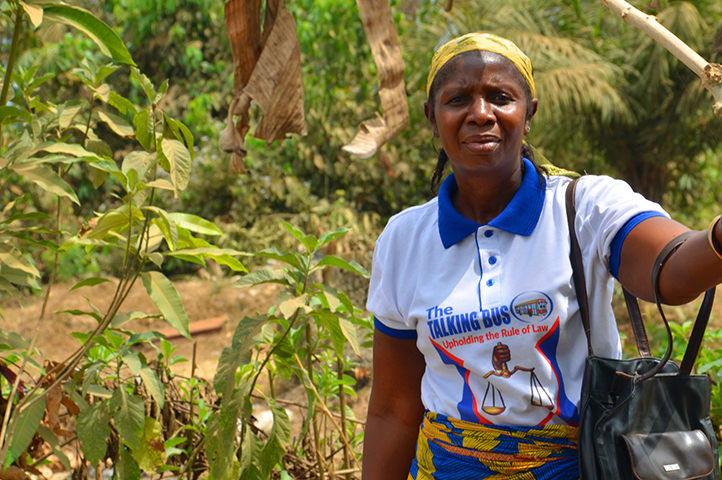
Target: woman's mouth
x=482 y=143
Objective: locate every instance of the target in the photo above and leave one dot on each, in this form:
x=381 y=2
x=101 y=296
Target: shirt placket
x=489 y=255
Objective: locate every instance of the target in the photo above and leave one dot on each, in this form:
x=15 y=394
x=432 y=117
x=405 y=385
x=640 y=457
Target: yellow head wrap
x=481 y=41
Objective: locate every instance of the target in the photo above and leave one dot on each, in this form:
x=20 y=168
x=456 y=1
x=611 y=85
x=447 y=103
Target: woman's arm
x=690 y=271
x=395 y=410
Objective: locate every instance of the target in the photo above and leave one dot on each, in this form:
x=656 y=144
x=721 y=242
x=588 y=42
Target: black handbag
x=643 y=418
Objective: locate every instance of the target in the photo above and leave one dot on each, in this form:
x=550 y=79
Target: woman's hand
x=690 y=271
x=395 y=410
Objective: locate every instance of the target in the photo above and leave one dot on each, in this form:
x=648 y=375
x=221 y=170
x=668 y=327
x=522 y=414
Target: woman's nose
x=480 y=111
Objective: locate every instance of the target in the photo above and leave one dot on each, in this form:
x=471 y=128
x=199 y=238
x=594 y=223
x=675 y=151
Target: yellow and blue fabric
x=481 y=42
x=452 y=449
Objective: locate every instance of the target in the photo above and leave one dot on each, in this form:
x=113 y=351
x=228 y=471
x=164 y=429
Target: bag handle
x=580 y=284
x=700 y=324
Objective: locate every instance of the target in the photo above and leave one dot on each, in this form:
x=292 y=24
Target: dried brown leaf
x=243 y=28
x=275 y=84
x=380 y=30
x=52 y=410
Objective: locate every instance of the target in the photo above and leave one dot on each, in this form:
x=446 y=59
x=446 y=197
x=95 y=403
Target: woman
x=477 y=322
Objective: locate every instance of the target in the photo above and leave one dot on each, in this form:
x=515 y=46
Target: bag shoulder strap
x=575 y=255
x=700 y=324
x=580 y=285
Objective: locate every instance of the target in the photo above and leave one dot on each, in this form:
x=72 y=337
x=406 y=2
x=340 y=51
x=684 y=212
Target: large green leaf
x=333 y=261
x=329 y=237
x=166 y=226
x=166 y=298
x=24 y=431
x=128 y=413
x=278 y=439
x=154 y=386
x=12 y=257
x=13 y=340
x=151 y=453
x=110 y=221
x=195 y=224
x=116 y=123
x=52 y=440
x=144 y=82
x=89 y=282
x=93 y=429
x=225 y=375
x=308 y=241
x=285 y=257
x=107 y=40
x=47 y=179
x=143 y=123
x=18 y=277
x=180 y=163
x=178 y=129
x=13 y=112
x=127 y=468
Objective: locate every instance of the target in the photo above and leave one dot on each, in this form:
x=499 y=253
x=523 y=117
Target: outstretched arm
x=690 y=271
x=395 y=410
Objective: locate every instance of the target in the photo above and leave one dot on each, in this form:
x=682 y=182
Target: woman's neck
x=481 y=198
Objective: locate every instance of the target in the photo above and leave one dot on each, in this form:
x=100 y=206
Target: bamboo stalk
x=710 y=73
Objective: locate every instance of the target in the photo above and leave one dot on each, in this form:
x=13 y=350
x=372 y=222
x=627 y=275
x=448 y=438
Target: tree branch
x=710 y=73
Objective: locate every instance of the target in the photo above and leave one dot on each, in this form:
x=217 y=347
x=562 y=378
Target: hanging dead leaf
x=381 y=33
x=243 y=29
x=275 y=84
x=449 y=5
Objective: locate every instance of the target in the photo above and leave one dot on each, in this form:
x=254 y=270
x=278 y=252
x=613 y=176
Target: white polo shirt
x=463 y=289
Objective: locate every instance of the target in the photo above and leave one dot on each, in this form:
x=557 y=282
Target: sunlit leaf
x=309 y=241
x=333 y=261
x=13 y=258
x=166 y=298
x=180 y=163
x=144 y=82
x=154 y=385
x=122 y=104
x=35 y=12
x=263 y=276
x=143 y=123
x=151 y=453
x=47 y=179
x=107 y=40
x=285 y=257
x=195 y=224
x=116 y=123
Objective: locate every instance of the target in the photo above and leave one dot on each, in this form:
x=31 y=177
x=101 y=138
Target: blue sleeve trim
x=616 y=246
x=392 y=332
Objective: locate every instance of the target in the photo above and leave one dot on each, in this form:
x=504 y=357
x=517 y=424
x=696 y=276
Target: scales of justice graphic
x=493 y=403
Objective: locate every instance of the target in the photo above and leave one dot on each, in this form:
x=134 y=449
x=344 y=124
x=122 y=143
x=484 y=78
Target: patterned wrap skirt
x=451 y=449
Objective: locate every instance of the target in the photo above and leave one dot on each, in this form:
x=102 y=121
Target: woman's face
x=481 y=113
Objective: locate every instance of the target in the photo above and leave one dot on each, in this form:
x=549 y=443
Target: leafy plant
x=305 y=335
x=102 y=382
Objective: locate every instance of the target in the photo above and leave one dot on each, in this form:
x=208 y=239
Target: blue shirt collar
x=519 y=217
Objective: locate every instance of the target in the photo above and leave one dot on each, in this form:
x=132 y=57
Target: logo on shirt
x=531 y=306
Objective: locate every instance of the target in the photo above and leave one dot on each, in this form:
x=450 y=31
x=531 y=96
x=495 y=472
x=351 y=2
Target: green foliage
x=305 y=335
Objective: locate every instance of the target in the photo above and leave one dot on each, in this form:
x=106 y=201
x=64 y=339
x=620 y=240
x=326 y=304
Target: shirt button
x=489 y=283
x=492 y=260
x=488 y=233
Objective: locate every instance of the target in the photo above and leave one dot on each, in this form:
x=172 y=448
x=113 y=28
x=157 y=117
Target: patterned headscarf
x=481 y=41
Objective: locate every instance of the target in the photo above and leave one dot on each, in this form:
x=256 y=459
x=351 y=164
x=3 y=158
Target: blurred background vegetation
x=610 y=102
